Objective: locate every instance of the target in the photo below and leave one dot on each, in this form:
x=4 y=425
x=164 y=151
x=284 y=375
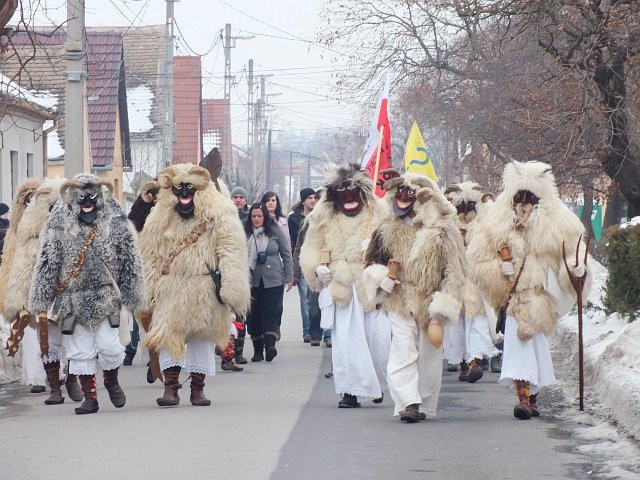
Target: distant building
x=216 y=123
x=187 y=100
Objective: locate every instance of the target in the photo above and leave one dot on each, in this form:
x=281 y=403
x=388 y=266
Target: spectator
x=271 y=271
x=239 y=195
x=4 y=224
x=297 y=216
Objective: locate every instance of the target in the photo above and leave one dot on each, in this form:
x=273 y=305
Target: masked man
x=422 y=238
x=37 y=200
x=197 y=275
x=519 y=266
x=469 y=341
x=89 y=264
x=339 y=225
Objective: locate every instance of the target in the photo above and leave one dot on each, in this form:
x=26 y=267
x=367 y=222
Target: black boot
x=53 y=377
x=270 y=351
x=90 y=404
x=348 y=401
x=116 y=395
x=411 y=414
x=73 y=389
x=464 y=372
x=258 y=349
x=238 y=346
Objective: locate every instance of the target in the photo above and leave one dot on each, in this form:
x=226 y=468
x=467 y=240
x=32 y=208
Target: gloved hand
x=579 y=270
x=507 y=269
x=324 y=274
x=387 y=284
x=365 y=244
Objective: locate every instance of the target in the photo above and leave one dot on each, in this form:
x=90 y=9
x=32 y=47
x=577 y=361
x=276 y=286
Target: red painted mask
x=404 y=201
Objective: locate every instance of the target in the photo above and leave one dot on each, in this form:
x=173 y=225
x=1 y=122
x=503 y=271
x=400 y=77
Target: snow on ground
x=610 y=426
x=631 y=223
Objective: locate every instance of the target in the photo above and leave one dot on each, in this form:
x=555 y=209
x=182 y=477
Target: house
x=187 y=100
x=22 y=136
x=216 y=122
x=108 y=152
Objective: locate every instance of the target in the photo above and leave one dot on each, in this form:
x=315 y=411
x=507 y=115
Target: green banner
x=596 y=220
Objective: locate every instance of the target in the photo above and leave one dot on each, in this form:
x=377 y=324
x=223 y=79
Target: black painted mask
x=185 y=205
x=404 y=201
x=466 y=207
x=349 y=199
x=88 y=202
x=524 y=197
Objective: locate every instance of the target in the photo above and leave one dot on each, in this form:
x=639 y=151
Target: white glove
x=324 y=274
x=365 y=244
x=580 y=270
x=387 y=284
x=507 y=269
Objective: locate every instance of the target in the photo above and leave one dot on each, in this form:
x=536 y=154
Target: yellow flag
x=415 y=155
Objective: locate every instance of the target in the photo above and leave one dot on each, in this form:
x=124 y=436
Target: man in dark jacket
x=300 y=211
x=4 y=224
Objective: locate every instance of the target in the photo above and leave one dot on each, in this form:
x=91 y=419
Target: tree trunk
x=587 y=209
x=615 y=209
x=618 y=162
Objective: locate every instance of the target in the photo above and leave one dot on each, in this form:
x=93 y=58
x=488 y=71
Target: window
x=14 y=172
x=30 y=172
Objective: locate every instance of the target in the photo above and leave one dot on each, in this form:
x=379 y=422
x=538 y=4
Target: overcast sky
x=284 y=46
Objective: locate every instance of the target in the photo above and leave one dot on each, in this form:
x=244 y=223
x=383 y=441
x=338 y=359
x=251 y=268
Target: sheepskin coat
x=472 y=304
x=540 y=241
x=343 y=235
x=182 y=301
x=27 y=246
x=112 y=274
x=430 y=250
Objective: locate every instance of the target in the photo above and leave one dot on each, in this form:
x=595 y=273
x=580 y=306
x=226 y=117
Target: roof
x=106 y=94
x=40 y=105
x=187 y=97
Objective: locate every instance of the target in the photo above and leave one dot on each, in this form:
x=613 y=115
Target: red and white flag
x=381 y=119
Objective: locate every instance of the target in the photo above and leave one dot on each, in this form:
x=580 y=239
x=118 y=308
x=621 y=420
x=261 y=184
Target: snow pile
x=43 y=98
x=611 y=355
x=139 y=104
x=54 y=147
x=631 y=223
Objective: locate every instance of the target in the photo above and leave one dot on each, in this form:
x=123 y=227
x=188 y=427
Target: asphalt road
x=280 y=421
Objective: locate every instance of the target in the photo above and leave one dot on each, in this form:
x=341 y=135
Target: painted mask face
x=523 y=203
x=404 y=201
x=466 y=211
x=185 y=205
x=88 y=202
x=349 y=199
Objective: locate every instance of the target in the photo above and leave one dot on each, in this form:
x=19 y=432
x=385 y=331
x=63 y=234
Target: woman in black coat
x=271 y=269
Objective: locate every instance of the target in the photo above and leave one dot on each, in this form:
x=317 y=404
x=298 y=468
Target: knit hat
x=305 y=193
x=240 y=191
x=4 y=208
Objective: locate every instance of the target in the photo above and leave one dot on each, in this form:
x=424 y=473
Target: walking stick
x=578 y=286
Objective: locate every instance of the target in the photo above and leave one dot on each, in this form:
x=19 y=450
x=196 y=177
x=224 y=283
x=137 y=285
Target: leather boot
x=228 y=365
x=533 y=404
x=53 y=377
x=258 y=349
x=464 y=372
x=116 y=395
x=411 y=414
x=171 y=387
x=522 y=410
x=475 y=370
x=270 y=351
x=90 y=404
x=73 y=389
x=238 y=346
x=197 y=391
x=349 y=401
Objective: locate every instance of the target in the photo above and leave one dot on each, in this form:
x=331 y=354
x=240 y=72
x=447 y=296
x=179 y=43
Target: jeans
x=315 y=315
x=304 y=306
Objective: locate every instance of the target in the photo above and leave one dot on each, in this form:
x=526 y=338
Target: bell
x=435 y=332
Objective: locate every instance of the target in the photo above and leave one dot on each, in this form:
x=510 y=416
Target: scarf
x=256 y=243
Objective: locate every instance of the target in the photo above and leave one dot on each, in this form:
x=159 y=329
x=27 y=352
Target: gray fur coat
x=112 y=275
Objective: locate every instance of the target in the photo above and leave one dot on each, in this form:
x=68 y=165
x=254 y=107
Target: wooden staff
x=505 y=254
x=376 y=171
x=325 y=257
x=43 y=330
x=23 y=318
x=394 y=268
x=578 y=286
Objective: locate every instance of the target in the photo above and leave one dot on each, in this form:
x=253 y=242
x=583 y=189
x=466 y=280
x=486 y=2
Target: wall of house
x=22 y=134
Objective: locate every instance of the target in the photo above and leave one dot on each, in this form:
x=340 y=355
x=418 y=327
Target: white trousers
x=454 y=345
x=200 y=357
x=88 y=346
x=415 y=366
x=528 y=360
x=32 y=369
x=479 y=343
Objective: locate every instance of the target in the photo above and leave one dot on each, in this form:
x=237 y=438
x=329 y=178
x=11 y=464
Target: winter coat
x=112 y=274
x=278 y=269
x=243 y=214
x=294 y=221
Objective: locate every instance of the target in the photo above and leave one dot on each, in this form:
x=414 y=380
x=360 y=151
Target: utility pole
x=268 y=169
x=75 y=90
x=250 y=112
x=308 y=170
x=227 y=61
x=169 y=117
x=290 y=175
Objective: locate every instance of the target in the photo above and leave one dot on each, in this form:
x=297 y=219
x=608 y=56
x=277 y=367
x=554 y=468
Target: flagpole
x=375 y=179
